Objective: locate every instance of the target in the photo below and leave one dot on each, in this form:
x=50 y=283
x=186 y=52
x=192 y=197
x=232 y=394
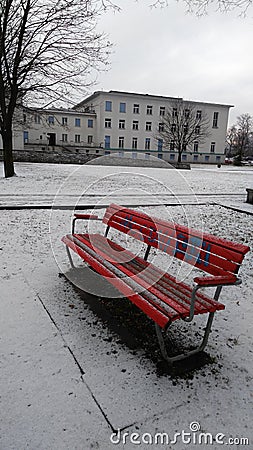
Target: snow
x=67 y=379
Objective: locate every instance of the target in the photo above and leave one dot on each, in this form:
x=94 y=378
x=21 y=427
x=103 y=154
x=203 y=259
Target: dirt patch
x=137 y=332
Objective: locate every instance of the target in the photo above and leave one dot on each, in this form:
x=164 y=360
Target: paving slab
x=45 y=404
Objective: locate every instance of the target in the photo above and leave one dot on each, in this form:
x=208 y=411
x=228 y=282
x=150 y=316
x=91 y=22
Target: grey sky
x=169 y=52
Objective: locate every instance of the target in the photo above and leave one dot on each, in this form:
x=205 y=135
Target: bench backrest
x=209 y=253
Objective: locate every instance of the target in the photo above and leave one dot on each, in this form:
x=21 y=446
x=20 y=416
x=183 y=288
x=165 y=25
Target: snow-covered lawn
x=51 y=400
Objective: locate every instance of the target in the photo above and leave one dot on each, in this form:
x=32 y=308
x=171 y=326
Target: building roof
x=136 y=94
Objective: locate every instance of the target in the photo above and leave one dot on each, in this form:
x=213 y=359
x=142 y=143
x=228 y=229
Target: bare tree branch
x=239 y=137
x=48 y=50
x=181 y=126
x=201 y=7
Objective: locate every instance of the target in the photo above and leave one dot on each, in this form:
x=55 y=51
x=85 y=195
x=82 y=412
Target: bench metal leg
x=73 y=225
x=70 y=257
x=181 y=356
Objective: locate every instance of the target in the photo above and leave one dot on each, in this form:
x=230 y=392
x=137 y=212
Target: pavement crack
x=82 y=372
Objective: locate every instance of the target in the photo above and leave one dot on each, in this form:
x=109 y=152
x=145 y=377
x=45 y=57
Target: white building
x=128 y=122
x=109 y=122
x=59 y=128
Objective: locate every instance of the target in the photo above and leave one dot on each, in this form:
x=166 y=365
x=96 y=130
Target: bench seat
x=158 y=290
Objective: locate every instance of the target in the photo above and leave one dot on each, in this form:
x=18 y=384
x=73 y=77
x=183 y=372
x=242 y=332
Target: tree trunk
x=179 y=159
x=7 y=152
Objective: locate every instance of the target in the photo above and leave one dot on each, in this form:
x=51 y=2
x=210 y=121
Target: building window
x=187 y=113
x=64 y=138
x=108 y=123
x=215 y=119
x=195 y=147
x=206 y=158
x=195 y=157
x=136 y=108
x=135 y=125
x=121 y=142
x=172 y=146
x=148 y=126
x=134 y=155
x=122 y=107
x=51 y=120
x=218 y=158
x=37 y=118
x=198 y=114
x=162 y=110
x=134 y=142
x=173 y=128
x=108 y=105
x=77 y=122
x=147 y=144
x=107 y=141
x=25 y=137
x=147 y=155
x=160 y=155
x=184 y=157
x=160 y=145
x=24 y=118
x=212 y=148
x=161 y=127
x=172 y=157
x=64 y=120
x=174 y=112
x=87 y=152
x=90 y=139
x=107 y=152
x=90 y=123
x=149 y=110
x=122 y=124
x=77 y=138
x=197 y=129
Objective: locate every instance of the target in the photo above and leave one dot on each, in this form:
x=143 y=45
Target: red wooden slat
x=151 y=311
x=212 y=281
x=200 y=258
x=166 y=294
x=193 y=255
x=235 y=250
x=134 y=275
x=177 y=289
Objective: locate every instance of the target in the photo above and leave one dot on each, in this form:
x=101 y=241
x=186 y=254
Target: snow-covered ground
x=67 y=380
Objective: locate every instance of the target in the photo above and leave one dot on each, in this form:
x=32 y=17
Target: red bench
x=157 y=293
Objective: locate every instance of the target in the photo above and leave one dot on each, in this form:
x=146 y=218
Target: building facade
x=125 y=123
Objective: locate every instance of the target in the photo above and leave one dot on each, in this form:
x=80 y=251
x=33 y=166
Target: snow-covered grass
x=48 y=403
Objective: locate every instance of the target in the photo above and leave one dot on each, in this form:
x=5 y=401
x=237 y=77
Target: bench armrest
x=217 y=281
x=86 y=216
x=82 y=216
x=211 y=281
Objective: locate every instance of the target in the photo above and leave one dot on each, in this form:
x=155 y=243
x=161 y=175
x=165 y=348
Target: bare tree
x=47 y=51
x=231 y=141
x=200 y=7
x=244 y=128
x=182 y=126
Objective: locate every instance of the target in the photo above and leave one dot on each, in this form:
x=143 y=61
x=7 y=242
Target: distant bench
x=249 y=195
x=157 y=293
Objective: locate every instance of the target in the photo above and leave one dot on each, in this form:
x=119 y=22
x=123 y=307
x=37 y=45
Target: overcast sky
x=169 y=52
